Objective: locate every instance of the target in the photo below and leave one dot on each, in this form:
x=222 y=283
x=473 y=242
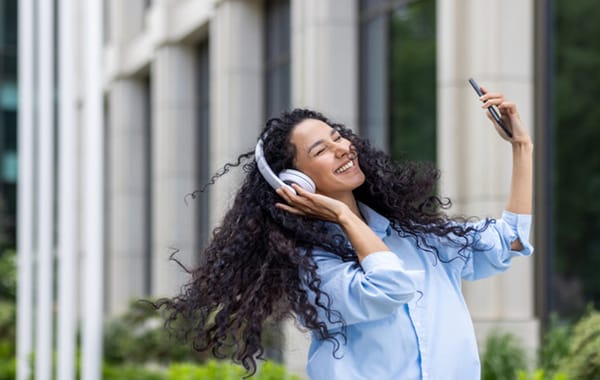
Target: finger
x=501 y=132
x=301 y=191
x=289 y=209
x=508 y=107
x=490 y=103
x=487 y=94
x=285 y=193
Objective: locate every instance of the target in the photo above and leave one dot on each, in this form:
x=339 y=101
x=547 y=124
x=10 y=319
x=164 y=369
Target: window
x=149 y=162
x=8 y=120
x=398 y=77
x=277 y=57
x=203 y=101
x=574 y=279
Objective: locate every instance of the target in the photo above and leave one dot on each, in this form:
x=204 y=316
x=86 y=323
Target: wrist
x=524 y=145
x=345 y=216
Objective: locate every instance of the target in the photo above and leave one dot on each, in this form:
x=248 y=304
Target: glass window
x=576 y=185
x=398 y=77
x=203 y=99
x=277 y=56
x=148 y=185
x=9 y=96
x=8 y=23
x=8 y=119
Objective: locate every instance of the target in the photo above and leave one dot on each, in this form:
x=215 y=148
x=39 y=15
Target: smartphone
x=493 y=111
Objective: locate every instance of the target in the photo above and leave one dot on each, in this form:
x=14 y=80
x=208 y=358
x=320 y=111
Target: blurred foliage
x=131 y=372
x=138 y=336
x=567 y=352
x=539 y=374
x=583 y=359
x=211 y=370
x=8 y=276
x=503 y=357
x=412 y=77
x=554 y=345
x=8 y=368
x=8 y=311
x=577 y=162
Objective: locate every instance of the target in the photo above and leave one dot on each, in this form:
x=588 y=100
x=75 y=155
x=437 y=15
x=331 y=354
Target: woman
x=370 y=263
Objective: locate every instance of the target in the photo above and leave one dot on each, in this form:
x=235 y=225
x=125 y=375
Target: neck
x=350 y=201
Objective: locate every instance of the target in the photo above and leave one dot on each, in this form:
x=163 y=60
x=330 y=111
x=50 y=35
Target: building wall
x=151 y=53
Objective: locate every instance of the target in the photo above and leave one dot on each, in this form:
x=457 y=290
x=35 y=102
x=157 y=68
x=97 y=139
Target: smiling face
x=326 y=157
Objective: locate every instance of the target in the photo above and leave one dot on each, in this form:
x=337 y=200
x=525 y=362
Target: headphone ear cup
x=294 y=176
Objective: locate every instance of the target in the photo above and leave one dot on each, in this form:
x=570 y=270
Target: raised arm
x=521 y=188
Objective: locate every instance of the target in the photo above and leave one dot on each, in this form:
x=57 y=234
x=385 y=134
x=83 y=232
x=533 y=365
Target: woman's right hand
x=311 y=204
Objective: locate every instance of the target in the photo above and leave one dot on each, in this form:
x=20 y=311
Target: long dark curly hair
x=258 y=263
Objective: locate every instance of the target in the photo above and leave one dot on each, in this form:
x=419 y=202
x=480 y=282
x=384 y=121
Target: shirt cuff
x=520 y=225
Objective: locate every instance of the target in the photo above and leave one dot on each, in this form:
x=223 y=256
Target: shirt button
x=425 y=374
x=418 y=324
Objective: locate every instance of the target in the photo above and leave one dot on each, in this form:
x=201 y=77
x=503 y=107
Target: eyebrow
x=320 y=141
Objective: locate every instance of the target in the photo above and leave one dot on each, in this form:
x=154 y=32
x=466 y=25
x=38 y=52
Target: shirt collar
x=378 y=223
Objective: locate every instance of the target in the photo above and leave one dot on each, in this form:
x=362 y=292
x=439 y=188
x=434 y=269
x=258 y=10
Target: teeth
x=345 y=167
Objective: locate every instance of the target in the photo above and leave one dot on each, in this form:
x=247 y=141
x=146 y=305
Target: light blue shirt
x=404 y=309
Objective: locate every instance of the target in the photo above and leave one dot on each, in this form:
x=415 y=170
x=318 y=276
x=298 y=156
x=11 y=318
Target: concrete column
x=236 y=105
x=474 y=40
x=128 y=193
x=174 y=167
x=126 y=19
x=325 y=58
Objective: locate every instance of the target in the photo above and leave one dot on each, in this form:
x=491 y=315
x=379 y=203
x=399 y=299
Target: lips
x=346 y=166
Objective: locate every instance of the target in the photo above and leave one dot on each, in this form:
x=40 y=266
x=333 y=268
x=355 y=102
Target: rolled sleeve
x=493 y=253
x=520 y=226
x=371 y=291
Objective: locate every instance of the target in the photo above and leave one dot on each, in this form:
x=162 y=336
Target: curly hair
x=258 y=263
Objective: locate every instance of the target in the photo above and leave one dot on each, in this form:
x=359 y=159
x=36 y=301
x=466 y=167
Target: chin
x=359 y=183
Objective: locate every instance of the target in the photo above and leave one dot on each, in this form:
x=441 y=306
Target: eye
x=337 y=138
x=320 y=151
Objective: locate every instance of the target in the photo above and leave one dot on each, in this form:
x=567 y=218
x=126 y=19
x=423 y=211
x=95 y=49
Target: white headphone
x=285 y=178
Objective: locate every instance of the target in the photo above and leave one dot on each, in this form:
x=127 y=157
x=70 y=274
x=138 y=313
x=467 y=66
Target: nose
x=342 y=148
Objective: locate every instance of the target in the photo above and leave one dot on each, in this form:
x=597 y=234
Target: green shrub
x=131 y=372
x=503 y=357
x=8 y=275
x=211 y=370
x=8 y=368
x=138 y=336
x=540 y=374
x=273 y=371
x=555 y=345
x=221 y=370
x=8 y=310
x=583 y=360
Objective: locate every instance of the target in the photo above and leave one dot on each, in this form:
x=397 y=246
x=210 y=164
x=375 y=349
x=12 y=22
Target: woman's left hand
x=509 y=114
